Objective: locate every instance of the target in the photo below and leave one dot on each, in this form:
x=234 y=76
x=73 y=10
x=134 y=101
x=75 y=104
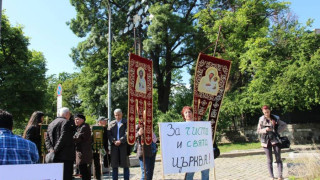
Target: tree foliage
x=274 y=58
x=170 y=39
x=22 y=74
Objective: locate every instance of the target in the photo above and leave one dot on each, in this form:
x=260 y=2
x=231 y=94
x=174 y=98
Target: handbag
x=49 y=157
x=284 y=142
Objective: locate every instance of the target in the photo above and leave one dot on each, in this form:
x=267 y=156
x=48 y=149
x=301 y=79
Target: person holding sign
x=187 y=115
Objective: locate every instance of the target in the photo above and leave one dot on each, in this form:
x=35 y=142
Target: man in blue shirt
x=14 y=149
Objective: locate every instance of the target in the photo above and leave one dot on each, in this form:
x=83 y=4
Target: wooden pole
x=143 y=155
x=215 y=48
x=214 y=52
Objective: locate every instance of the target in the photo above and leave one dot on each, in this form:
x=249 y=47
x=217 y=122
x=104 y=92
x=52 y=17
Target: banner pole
x=214 y=52
x=161 y=151
x=143 y=155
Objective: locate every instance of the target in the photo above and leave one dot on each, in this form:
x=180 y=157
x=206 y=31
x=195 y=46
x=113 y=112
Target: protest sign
x=186 y=146
x=52 y=171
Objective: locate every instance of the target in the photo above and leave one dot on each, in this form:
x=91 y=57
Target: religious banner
x=97 y=132
x=209 y=86
x=139 y=97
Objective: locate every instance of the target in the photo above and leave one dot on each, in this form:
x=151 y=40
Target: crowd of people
x=70 y=141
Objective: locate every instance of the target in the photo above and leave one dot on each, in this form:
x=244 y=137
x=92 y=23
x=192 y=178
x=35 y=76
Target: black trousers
x=85 y=171
x=97 y=166
x=67 y=168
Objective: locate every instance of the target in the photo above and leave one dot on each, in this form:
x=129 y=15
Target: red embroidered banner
x=139 y=97
x=209 y=87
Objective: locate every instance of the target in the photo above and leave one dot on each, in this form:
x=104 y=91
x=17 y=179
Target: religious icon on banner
x=209 y=86
x=210 y=82
x=141 y=81
x=139 y=98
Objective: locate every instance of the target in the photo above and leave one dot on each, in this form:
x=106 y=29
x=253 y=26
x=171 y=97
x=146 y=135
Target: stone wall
x=297 y=134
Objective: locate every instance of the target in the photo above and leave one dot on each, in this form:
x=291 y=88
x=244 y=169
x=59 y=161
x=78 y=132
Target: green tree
x=173 y=42
x=91 y=54
x=273 y=58
x=22 y=74
x=70 y=97
x=169 y=39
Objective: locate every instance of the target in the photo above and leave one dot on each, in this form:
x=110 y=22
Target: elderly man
x=59 y=140
x=14 y=149
x=83 y=142
x=118 y=139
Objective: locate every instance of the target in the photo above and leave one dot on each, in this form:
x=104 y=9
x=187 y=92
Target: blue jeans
x=149 y=167
x=126 y=173
x=204 y=175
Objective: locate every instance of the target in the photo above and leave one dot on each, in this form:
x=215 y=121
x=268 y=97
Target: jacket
x=60 y=139
x=271 y=136
x=82 y=139
x=33 y=134
x=119 y=154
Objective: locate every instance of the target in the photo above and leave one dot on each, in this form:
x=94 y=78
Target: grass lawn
x=224 y=148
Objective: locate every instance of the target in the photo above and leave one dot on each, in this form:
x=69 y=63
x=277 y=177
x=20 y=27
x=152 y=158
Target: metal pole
x=0 y=16
x=109 y=64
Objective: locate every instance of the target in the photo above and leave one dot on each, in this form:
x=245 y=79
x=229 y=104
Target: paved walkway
x=237 y=165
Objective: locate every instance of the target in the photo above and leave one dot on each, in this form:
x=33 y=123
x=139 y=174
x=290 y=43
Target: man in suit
x=118 y=139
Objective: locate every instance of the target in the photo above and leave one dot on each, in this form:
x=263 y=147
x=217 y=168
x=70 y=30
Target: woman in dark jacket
x=83 y=143
x=32 y=131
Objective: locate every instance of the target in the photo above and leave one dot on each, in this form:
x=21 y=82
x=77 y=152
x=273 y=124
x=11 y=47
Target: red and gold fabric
x=139 y=97
x=209 y=86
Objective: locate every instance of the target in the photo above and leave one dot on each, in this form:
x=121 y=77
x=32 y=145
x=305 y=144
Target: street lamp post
x=109 y=64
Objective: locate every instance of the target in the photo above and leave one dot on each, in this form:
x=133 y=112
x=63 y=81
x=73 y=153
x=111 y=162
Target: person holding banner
x=101 y=121
x=118 y=138
x=268 y=126
x=148 y=155
x=32 y=131
x=187 y=115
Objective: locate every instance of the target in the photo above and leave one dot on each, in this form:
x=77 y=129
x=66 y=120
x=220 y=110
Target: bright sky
x=44 y=22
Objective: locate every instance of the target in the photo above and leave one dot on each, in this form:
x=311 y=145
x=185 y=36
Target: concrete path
x=237 y=165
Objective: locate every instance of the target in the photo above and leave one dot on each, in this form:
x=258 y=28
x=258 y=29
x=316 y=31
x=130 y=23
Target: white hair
x=63 y=111
x=117 y=110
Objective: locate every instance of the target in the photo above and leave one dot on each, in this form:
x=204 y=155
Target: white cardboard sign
x=52 y=171
x=186 y=146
